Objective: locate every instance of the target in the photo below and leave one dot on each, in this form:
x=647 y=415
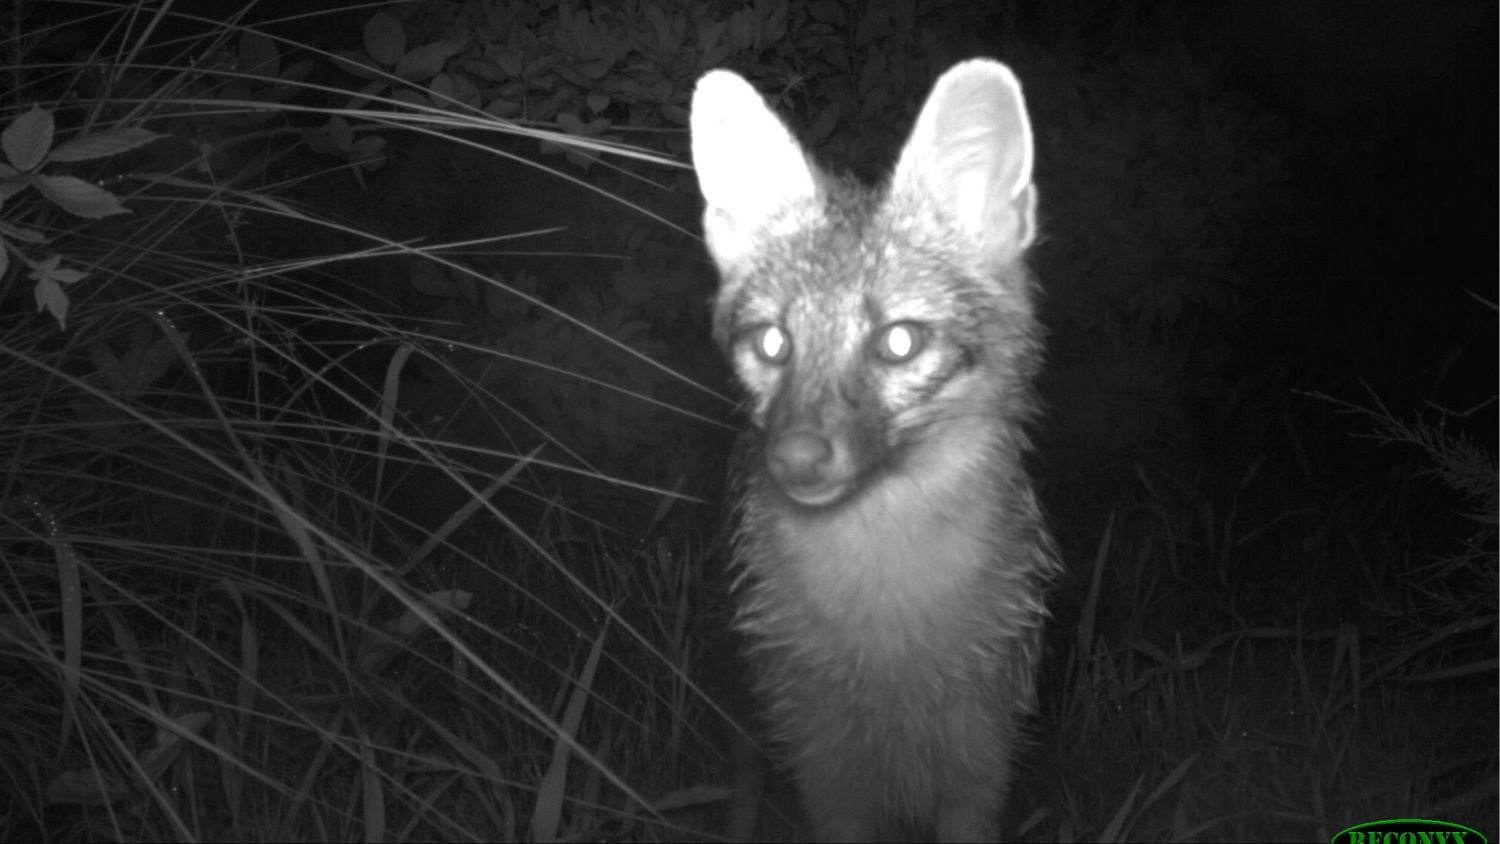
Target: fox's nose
x=801 y=460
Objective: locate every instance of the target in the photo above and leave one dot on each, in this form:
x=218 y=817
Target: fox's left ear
x=970 y=152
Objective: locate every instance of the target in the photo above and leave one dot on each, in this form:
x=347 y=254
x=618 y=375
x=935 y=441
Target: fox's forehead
x=873 y=272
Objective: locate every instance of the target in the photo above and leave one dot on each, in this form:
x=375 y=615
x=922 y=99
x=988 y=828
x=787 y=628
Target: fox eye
x=772 y=345
x=899 y=342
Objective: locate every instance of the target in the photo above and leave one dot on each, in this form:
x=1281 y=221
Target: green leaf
x=15 y=232
x=27 y=139
x=103 y=144
x=12 y=184
x=79 y=197
x=365 y=94
x=332 y=137
x=129 y=375
x=357 y=65
x=258 y=56
x=662 y=25
x=571 y=74
x=742 y=30
x=503 y=108
x=49 y=293
x=540 y=72
x=297 y=71
x=823 y=126
x=368 y=152
x=774 y=29
x=716 y=54
x=484 y=69
x=169 y=742
x=430 y=280
x=385 y=40
x=51 y=267
x=594 y=69
x=710 y=31
x=510 y=58
x=88 y=787
x=449 y=89
x=427 y=60
x=412 y=98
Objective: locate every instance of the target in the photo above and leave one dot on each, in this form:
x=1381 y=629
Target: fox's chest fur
x=885 y=578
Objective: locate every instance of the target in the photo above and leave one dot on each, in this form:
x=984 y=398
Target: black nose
x=800 y=459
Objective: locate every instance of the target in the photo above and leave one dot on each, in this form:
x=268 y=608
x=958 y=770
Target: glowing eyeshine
x=772 y=345
x=899 y=342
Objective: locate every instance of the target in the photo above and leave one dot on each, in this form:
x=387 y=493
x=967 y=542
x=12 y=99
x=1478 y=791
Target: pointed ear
x=750 y=168
x=970 y=152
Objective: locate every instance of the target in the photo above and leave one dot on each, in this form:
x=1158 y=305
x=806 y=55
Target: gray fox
x=889 y=553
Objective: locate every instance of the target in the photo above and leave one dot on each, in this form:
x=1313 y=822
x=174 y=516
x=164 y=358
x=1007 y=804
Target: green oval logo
x=1409 y=831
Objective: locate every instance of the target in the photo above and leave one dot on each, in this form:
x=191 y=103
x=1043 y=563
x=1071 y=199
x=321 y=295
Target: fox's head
x=872 y=326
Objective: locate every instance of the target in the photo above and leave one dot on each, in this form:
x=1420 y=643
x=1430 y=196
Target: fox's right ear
x=750 y=168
